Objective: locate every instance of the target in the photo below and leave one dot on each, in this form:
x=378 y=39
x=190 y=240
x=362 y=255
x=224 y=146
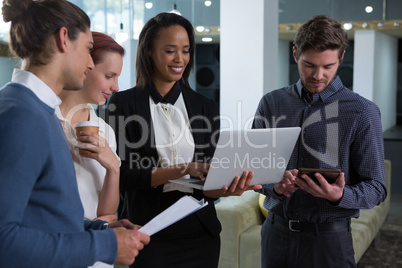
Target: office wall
x=375 y=71
x=127 y=77
x=385 y=77
x=283 y=63
x=249 y=68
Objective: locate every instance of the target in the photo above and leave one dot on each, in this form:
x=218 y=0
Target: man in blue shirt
x=308 y=224
x=42 y=218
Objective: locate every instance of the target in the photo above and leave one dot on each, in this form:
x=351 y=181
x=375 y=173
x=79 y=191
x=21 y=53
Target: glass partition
x=123 y=19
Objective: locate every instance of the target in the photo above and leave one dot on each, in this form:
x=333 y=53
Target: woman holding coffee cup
x=92 y=143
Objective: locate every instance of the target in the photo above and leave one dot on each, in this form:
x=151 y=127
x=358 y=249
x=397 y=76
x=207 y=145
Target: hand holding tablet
x=329 y=174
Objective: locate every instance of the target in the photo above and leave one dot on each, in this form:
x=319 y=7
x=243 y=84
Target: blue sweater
x=41 y=216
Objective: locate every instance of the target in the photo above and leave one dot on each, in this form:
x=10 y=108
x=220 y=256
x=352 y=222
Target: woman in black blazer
x=164 y=61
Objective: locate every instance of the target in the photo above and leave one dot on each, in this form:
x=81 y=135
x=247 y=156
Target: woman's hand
x=197 y=170
x=109 y=218
x=162 y=175
x=99 y=150
x=238 y=186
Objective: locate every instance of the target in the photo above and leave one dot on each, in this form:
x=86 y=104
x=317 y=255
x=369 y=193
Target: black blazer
x=130 y=116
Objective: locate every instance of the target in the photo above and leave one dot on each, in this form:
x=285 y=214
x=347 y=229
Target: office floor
x=395 y=213
x=388 y=252
x=393 y=152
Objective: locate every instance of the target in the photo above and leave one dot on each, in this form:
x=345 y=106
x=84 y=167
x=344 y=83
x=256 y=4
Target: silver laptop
x=264 y=151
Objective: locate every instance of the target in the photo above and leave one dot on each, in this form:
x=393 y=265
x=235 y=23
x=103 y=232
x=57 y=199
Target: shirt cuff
x=268 y=189
x=347 y=198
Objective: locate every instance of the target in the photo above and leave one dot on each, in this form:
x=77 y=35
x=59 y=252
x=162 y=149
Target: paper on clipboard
x=182 y=208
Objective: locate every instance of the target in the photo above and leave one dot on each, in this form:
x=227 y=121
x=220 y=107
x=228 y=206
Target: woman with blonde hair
x=98 y=169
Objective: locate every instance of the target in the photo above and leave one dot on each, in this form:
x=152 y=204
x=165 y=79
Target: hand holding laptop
x=238 y=186
x=197 y=170
x=266 y=152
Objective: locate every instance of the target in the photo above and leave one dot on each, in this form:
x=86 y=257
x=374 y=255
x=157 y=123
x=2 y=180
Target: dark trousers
x=185 y=244
x=190 y=252
x=283 y=248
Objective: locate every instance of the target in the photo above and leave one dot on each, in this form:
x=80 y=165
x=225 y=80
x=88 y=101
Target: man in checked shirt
x=308 y=223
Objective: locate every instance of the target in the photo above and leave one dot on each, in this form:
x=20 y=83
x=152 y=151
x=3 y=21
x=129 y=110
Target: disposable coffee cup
x=86 y=126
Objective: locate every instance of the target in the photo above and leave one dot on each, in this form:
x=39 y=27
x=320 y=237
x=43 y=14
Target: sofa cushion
x=250 y=247
x=362 y=236
x=236 y=215
x=264 y=211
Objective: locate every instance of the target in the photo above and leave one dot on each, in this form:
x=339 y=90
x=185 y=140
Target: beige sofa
x=241 y=220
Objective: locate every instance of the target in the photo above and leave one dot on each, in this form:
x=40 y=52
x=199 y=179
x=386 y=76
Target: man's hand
x=129 y=242
x=332 y=192
x=287 y=185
